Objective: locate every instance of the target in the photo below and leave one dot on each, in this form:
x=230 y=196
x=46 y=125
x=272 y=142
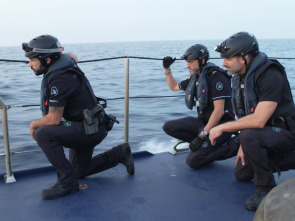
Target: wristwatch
x=203 y=134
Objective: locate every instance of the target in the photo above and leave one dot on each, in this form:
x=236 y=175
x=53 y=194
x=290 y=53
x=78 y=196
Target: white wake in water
x=156 y=146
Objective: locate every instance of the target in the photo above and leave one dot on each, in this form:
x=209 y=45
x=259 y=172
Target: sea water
x=19 y=86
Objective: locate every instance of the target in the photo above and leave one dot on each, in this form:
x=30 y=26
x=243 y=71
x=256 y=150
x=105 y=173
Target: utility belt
x=284 y=122
x=97 y=117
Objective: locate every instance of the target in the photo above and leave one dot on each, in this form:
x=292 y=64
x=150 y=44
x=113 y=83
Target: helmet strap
x=245 y=60
x=201 y=65
x=43 y=61
x=248 y=64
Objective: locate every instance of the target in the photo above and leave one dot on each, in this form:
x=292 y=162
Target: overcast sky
x=87 y=21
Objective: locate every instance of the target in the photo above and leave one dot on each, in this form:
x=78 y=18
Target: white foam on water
x=155 y=145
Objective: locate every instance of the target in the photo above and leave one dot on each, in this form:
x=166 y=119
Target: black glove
x=196 y=144
x=167 y=61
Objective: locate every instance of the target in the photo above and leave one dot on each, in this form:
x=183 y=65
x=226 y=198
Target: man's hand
x=167 y=61
x=53 y=117
x=33 y=129
x=214 y=133
x=241 y=156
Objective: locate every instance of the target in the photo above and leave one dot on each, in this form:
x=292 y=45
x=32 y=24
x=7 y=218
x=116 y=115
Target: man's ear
x=248 y=57
x=203 y=61
x=241 y=59
x=48 y=60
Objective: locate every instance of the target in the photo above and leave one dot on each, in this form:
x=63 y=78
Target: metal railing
x=9 y=177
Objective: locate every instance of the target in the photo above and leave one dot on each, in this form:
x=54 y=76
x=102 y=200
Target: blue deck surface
x=163 y=188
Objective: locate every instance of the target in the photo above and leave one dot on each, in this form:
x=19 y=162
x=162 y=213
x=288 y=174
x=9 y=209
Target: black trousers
x=188 y=128
x=52 y=139
x=262 y=148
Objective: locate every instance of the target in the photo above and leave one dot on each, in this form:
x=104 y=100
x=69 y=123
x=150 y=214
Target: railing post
x=9 y=177
x=126 y=109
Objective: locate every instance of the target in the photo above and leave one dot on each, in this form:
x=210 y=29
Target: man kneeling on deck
x=66 y=93
x=263 y=102
x=208 y=89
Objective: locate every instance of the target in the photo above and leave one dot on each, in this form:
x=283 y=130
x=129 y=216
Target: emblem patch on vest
x=219 y=86
x=276 y=129
x=54 y=91
x=67 y=123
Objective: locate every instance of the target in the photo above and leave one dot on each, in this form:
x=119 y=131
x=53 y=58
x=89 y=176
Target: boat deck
x=163 y=188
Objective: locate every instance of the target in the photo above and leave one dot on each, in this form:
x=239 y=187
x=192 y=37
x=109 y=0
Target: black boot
x=58 y=191
x=253 y=201
x=127 y=159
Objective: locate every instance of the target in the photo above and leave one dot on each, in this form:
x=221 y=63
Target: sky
x=91 y=21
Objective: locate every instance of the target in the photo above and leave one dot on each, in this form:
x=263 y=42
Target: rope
x=144 y=97
x=116 y=98
x=20 y=61
x=27 y=105
x=113 y=58
x=104 y=59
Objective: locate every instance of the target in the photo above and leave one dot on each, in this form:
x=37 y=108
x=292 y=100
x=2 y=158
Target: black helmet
x=42 y=46
x=197 y=51
x=239 y=44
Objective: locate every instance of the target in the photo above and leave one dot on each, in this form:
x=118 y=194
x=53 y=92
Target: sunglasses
x=27 y=48
x=221 y=48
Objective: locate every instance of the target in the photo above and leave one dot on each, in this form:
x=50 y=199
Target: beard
x=41 y=70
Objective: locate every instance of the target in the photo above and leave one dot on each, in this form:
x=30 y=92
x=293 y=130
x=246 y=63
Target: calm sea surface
x=19 y=86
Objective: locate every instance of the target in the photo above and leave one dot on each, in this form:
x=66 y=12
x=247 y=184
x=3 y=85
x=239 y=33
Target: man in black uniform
x=263 y=102
x=66 y=93
x=209 y=89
